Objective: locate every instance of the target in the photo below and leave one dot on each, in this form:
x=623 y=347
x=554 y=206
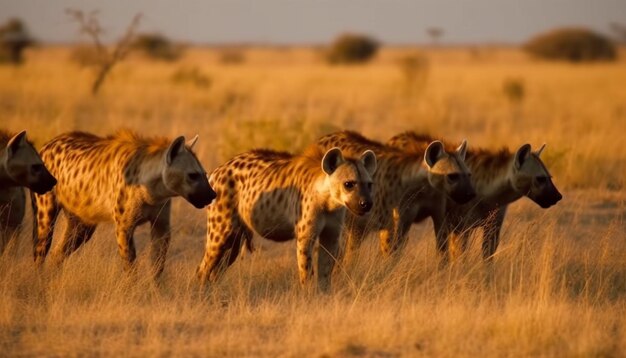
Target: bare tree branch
x=90 y=26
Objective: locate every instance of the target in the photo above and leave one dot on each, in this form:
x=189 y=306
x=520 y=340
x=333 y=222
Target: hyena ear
x=177 y=146
x=192 y=142
x=332 y=160
x=543 y=146
x=434 y=152
x=368 y=158
x=462 y=149
x=18 y=140
x=522 y=154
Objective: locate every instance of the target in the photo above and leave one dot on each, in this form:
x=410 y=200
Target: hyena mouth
x=200 y=200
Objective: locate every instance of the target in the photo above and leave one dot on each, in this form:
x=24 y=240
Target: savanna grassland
x=558 y=283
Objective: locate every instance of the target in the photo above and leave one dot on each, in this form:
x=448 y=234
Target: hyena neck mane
x=408 y=166
x=145 y=162
x=492 y=172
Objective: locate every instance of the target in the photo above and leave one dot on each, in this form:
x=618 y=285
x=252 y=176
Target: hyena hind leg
x=76 y=234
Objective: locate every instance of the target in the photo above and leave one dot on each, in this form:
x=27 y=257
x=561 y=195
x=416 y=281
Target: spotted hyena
x=500 y=178
x=124 y=178
x=20 y=166
x=405 y=185
x=281 y=197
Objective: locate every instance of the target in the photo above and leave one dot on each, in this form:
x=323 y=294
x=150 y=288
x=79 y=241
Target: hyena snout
x=462 y=189
x=548 y=197
x=201 y=195
x=42 y=181
x=360 y=205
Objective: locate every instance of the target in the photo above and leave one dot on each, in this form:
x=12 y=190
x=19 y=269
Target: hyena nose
x=366 y=205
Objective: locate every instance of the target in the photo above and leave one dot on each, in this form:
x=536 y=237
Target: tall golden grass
x=557 y=286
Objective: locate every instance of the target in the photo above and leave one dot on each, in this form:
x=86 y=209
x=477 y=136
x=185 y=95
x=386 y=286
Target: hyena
x=20 y=166
x=406 y=184
x=500 y=178
x=124 y=178
x=281 y=197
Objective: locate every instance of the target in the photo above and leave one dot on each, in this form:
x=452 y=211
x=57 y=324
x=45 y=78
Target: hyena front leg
x=76 y=234
x=491 y=234
x=45 y=213
x=225 y=232
x=161 y=234
x=125 y=218
x=306 y=235
x=327 y=256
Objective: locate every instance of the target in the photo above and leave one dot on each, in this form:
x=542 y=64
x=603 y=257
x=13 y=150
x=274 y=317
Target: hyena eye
x=36 y=168
x=369 y=186
x=453 y=177
x=193 y=176
x=349 y=185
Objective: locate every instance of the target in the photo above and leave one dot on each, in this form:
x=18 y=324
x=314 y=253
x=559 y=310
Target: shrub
x=14 y=39
x=85 y=56
x=157 y=47
x=191 y=75
x=514 y=90
x=414 y=69
x=352 y=48
x=231 y=57
x=572 y=44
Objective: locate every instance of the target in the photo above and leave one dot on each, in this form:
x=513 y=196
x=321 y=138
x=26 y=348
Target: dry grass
x=557 y=287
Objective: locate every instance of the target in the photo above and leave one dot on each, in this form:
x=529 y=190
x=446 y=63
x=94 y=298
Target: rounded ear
x=192 y=142
x=332 y=160
x=543 y=146
x=177 y=146
x=16 y=142
x=462 y=149
x=368 y=158
x=521 y=155
x=433 y=153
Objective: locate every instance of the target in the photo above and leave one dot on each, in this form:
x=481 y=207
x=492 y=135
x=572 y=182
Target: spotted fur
x=124 y=178
x=281 y=197
x=500 y=177
x=20 y=167
x=406 y=184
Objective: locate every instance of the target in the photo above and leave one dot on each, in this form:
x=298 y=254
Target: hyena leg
x=224 y=241
x=305 y=237
x=491 y=233
x=161 y=234
x=327 y=256
x=442 y=236
x=353 y=238
x=76 y=234
x=11 y=216
x=491 y=240
x=457 y=244
x=45 y=212
x=124 y=229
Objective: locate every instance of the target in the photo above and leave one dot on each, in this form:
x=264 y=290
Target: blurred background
x=279 y=74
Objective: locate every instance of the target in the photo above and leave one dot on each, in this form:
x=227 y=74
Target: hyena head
x=448 y=173
x=531 y=177
x=25 y=167
x=350 y=180
x=184 y=175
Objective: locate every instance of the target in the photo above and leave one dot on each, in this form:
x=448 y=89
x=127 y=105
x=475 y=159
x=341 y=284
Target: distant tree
x=435 y=33
x=14 y=38
x=157 y=46
x=90 y=26
x=572 y=44
x=351 y=49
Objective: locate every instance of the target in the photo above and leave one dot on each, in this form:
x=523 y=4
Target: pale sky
x=318 y=21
